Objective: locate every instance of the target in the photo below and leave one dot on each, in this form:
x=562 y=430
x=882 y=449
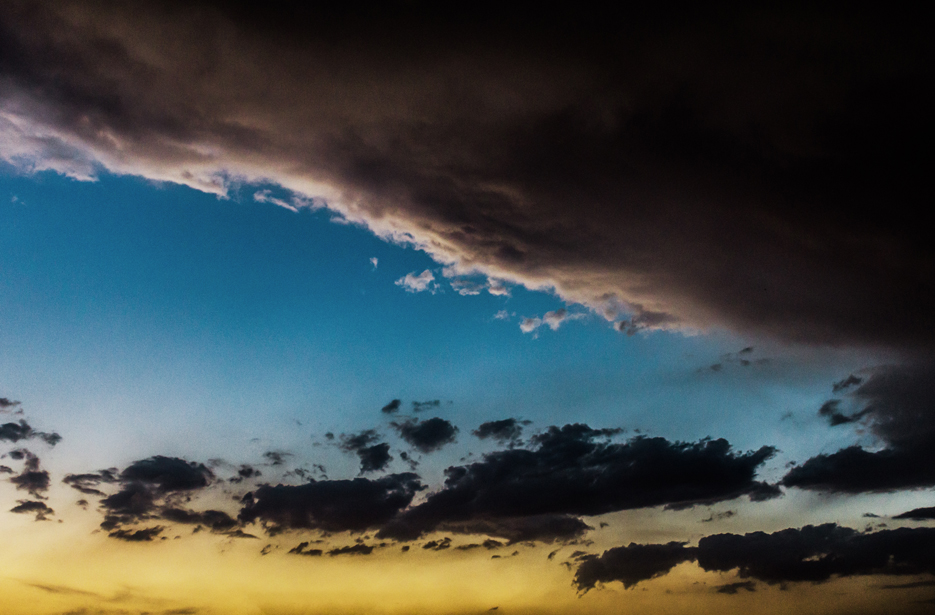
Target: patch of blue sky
x=158 y=319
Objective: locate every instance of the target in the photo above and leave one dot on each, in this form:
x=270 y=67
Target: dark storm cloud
x=504 y=431
x=811 y=554
x=897 y=405
x=29 y=507
x=7 y=405
x=575 y=470
x=760 y=168
x=918 y=514
x=14 y=432
x=426 y=436
x=374 y=456
x=333 y=506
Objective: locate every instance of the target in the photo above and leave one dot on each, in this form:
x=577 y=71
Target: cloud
x=7 y=405
x=246 y=472
x=148 y=489
x=732 y=588
x=417 y=283
x=32 y=479
x=89 y=483
x=28 y=507
x=918 y=514
x=215 y=520
x=14 y=432
x=895 y=404
x=631 y=564
x=504 y=431
x=812 y=554
x=420 y=406
x=574 y=470
x=302 y=549
x=391 y=407
x=358 y=549
x=276 y=458
x=551 y=319
x=144 y=535
x=426 y=436
x=646 y=320
x=264 y=196
x=374 y=456
x=374 y=261
x=711 y=177
x=332 y=506
x=843 y=385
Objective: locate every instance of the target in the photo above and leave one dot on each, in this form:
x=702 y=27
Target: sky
x=415 y=308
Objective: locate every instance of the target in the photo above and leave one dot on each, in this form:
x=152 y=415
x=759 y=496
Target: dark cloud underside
x=811 y=554
x=762 y=168
x=897 y=404
x=333 y=506
x=574 y=471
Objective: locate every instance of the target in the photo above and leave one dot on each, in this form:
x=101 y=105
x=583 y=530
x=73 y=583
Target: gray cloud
x=666 y=173
x=426 y=436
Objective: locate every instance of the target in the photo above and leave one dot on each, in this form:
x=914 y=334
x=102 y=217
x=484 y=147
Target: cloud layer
x=687 y=172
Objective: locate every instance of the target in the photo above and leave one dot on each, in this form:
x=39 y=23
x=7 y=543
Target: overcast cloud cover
x=688 y=171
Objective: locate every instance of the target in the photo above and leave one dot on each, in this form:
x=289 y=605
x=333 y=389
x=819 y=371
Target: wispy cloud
x=413 y=283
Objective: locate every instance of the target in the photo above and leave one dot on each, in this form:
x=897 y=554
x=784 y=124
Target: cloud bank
x=665 y=172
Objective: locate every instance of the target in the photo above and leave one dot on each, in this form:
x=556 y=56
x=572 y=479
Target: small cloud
x=502 y=315
x=733 y=588
x=847 y=383
x=391 y=407
x=144 y=535
x=7 y=405
x=28 y=507
x=264 y=196
x=417 y=283
x=646 y=321
x=276 y=458
x=719 y=516
x=426 y=436
x=374 y=455
x=552 y=319
x=358 y=549
x=498 y=288
x=419 y=406
x=467 y=287
x=374 y=261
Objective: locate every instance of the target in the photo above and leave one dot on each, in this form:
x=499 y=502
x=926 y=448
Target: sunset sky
x=313 y=308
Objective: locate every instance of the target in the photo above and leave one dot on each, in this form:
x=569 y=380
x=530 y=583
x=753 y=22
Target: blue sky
x=167 y=309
